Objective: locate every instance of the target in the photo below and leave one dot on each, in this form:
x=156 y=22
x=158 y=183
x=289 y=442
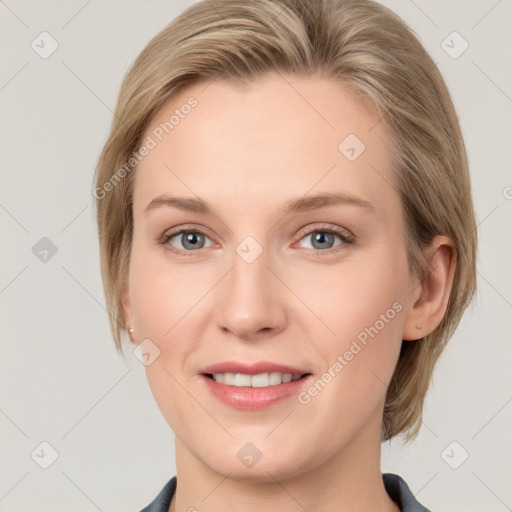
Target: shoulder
x=399 y=492
x=163 y=500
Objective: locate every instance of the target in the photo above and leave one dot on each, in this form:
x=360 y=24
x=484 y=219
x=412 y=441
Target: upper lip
x=251 y=369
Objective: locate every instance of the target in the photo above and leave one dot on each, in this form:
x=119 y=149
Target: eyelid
x=171 y=233
x=184 y=227
x=344 y=233
x=346 y=236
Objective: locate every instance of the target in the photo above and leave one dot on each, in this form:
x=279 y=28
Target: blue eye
x=324 y=239
x=190 y=240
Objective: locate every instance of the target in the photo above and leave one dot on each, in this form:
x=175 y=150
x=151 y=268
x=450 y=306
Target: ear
x=428 y=300
x=127 y=313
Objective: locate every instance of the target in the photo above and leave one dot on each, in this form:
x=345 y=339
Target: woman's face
x=299 y=260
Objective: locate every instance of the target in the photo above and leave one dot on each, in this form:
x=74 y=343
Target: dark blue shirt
x=395 y=486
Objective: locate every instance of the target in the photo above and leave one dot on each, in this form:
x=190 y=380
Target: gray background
x=61 y=379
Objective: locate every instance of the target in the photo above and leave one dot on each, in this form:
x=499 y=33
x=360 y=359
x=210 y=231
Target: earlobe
x=429 y=299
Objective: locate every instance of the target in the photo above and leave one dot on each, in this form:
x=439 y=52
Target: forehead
x=282 y=136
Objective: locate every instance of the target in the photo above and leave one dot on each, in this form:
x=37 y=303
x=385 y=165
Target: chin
x=245 y=462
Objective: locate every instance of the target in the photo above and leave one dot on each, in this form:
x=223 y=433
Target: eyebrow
x=302 y=204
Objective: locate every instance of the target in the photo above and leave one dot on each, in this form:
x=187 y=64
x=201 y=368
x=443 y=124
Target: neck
x=349 y=480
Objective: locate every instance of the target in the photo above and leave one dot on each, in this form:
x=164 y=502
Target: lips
x=252 y=369
x=255 y=398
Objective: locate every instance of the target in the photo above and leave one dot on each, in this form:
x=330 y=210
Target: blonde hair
x=368 y=49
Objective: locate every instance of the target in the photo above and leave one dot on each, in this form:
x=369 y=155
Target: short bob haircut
x=370 y=51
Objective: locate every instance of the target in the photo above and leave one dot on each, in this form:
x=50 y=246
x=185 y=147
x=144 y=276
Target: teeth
x=261 y=380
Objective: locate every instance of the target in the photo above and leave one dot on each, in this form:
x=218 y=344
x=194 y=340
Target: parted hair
x=370 y=51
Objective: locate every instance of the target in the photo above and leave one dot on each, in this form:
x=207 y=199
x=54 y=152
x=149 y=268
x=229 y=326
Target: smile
x=254 y=392
x=261 y=380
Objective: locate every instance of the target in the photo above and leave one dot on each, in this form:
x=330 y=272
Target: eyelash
x=345 y=239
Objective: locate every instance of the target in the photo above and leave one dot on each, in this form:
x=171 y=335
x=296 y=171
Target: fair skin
x=301 y=302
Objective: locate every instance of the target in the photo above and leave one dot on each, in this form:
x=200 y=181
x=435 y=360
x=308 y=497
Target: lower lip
x=246 y=397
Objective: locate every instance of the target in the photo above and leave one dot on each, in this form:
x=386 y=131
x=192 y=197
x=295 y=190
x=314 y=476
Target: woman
x=287 y=234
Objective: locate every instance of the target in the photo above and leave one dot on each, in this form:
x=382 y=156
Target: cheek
x=163 y=301
x=172 y=308
x=364 y=309
x=353 y=298
x=161 y=295
x=366 y=315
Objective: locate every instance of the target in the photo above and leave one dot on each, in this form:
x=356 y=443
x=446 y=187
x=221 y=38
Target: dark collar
x=395 y=486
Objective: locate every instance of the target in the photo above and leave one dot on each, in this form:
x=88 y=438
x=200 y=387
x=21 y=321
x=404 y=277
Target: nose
x=252 y=299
